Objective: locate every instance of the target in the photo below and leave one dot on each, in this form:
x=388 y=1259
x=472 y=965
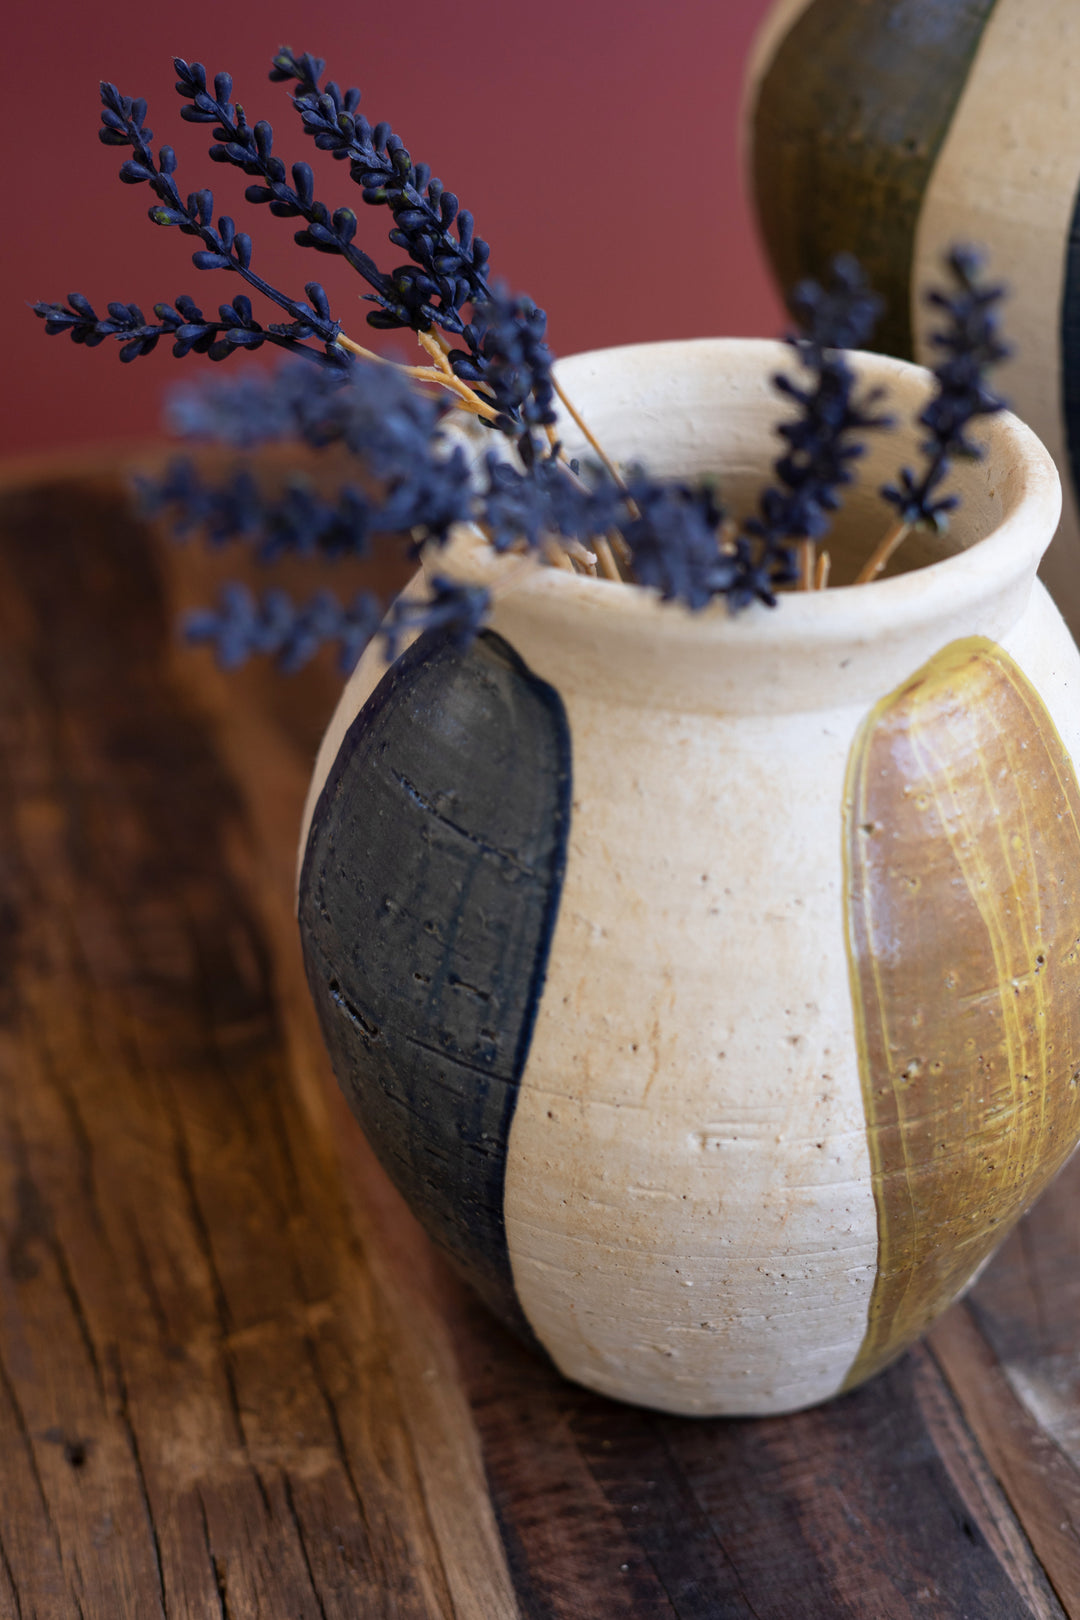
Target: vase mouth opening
x=708 y=406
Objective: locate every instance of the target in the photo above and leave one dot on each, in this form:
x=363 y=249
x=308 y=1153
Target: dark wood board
x=235 y=1381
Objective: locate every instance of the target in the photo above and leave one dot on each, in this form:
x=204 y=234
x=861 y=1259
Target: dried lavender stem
x=821 y=572
x=582 y=426
x=581 y=555
x=806 y=565
x=439 y=353
x=605 y=562
x=882 y=553
x=468 y=401
x=557 y=557
x=621 y=552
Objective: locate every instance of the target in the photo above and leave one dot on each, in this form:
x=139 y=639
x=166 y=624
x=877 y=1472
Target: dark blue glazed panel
x=428 y=897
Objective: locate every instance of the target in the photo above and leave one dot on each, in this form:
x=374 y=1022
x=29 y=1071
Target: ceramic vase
x=898 y=128
x=709 y=984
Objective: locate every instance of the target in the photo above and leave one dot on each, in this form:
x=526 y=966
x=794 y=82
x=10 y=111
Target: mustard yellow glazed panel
x=963 y=910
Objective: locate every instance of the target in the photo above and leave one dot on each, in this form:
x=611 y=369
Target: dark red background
x=594 y=140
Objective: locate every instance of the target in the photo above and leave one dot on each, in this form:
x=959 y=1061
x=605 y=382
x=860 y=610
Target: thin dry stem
x=806 y=565
x=440 y=338
x=882 y=553
x=557 y=557
x=435 y=344
x=821 y=572
x=605 y=561
x=580 y=554
x=573 y=556
x=623 y=555
x=442 y=376
x=582 y=426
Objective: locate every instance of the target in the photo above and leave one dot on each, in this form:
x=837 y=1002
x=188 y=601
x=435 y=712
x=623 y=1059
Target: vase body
x=710 y=984
x=896 y=129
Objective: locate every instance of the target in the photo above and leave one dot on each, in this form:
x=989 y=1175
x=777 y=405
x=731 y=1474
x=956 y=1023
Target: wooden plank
x=199 y=1366
x=1040 y=1481
x=877 y=1504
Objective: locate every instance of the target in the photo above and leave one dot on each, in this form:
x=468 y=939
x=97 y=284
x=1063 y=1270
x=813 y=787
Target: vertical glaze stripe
x=776 y=25
x=427 y=901
x=1007 y=177
x=848 y=122
x=1070 y=351
x=963 y=852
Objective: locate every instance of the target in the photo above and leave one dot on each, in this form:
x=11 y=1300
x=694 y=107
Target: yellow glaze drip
x=962 y=844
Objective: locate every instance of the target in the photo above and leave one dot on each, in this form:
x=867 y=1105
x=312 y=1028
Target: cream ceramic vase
x=897 y=128
x=710 y=984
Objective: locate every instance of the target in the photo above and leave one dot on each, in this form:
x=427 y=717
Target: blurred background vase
x=895 y=128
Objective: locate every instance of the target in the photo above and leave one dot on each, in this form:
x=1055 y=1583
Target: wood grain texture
x=235 y=1379
x=963 y=840
x=199 y=1377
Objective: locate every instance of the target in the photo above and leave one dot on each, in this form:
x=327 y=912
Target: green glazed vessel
x=896 y=128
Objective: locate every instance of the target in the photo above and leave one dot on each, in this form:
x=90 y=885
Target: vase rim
x=984 y=586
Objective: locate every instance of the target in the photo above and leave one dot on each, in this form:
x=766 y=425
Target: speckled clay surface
x=714 y=1178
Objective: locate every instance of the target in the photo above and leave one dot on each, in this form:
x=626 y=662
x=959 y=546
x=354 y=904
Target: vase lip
x=998 y=566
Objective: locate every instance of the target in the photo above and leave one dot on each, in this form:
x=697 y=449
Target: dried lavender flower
x=672 y=531
x=544 y=501
x=511 y=357
x=243 y=626
x=972 y=343
x=423 y=484
x=824 y=438
x=452 y=610
x=250 y=148
x=677 y=535
x=449 y=265
x=299 y=519
x=123 y=121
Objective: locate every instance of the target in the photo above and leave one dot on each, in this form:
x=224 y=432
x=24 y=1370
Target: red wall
x=594 y=140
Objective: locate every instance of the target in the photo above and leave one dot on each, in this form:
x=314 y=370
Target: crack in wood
x=82 y=1583
x=21 y=1424
x=81 y=1139
x=124 y=1414
x=339 y=1438
x=149 y=1283
x=286 y=1485
x=664 y=1441
x=5 y=1564
x=217 y=1566
x=418 y=1473
x=74 y=1299
x=204 y=1243
x=34 y=1223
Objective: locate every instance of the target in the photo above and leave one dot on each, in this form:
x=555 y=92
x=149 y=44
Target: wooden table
x=234 y=1379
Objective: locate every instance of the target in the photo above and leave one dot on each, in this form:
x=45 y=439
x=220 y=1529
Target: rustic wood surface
x=234 y=1379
